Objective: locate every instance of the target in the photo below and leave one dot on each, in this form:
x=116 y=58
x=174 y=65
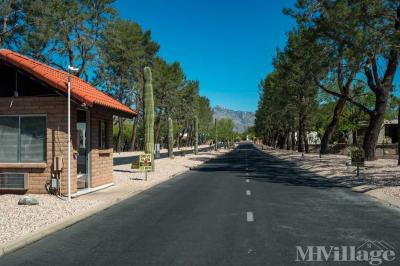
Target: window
x=103 y=135
x=9 y=139
x=22 y=139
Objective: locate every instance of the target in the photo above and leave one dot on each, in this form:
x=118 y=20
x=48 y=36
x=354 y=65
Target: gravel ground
x=163 y=168
x=134 y=153
x=16 y=221
x=382 y=173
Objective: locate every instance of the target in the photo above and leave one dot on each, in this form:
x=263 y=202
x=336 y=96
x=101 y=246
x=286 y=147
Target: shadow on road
x=263 y=167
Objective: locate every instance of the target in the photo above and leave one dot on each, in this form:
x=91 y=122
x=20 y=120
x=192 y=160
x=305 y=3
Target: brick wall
x=101 y=159
x=55 y=108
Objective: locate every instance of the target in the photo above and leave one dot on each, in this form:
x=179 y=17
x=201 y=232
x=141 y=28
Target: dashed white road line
x=250 y=217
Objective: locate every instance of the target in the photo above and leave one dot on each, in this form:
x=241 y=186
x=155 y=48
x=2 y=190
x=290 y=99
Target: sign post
x=357 y=159
x=145 y=163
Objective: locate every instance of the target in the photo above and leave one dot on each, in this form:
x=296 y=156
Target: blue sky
x=227 y=45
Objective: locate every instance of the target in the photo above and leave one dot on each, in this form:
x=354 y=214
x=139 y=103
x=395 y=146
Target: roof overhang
x=81 y=91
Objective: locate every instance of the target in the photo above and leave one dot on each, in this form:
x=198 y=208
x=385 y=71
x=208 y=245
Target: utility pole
x=70 y=69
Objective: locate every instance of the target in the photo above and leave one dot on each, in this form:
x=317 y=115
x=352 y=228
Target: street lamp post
x=70 y=69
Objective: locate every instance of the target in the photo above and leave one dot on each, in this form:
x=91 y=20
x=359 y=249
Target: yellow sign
x=145 y=162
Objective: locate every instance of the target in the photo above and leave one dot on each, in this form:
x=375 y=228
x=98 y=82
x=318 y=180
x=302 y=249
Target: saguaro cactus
x=149 y=114
x=196 y=135
x=170 y=139
x=215 y=134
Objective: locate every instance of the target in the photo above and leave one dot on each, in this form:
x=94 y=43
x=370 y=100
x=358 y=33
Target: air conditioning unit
x=13 y=181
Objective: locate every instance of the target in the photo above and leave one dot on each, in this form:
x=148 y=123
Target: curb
x=364 y=188
x=387 y=200
x=37 y=235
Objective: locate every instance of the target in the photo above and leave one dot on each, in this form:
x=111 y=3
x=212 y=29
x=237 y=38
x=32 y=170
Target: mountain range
x=242 y=119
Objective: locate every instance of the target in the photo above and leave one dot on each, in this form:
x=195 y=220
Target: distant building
x=387 y=134
x=312 y=137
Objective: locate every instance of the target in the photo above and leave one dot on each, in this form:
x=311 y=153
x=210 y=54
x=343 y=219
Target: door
x=82 y=158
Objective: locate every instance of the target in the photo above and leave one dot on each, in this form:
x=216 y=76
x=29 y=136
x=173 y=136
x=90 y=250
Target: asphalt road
x=244 y=208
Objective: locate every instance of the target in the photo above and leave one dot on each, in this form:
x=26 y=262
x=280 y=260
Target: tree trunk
x=180 y=136
x=120 y=137
x=375 y=124
x=288 y=139
x=398 y=135
x=278 y=140
x=293 y=137
x=300 y=137
x=275 y=140
x=189 y=134
x=331 y=128
x=306 y=147
x=196 y=135
x=134 y=134
x=191 y=137
x=282 y=140
x=300 y=147
x=158 y=127
x=135 y=126
x=170 y=138
x=382 y=90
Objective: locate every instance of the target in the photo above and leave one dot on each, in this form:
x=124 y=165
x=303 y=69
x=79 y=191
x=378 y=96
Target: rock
x=26 y=200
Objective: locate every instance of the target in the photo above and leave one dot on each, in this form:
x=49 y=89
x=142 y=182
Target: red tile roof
x=80 y=90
